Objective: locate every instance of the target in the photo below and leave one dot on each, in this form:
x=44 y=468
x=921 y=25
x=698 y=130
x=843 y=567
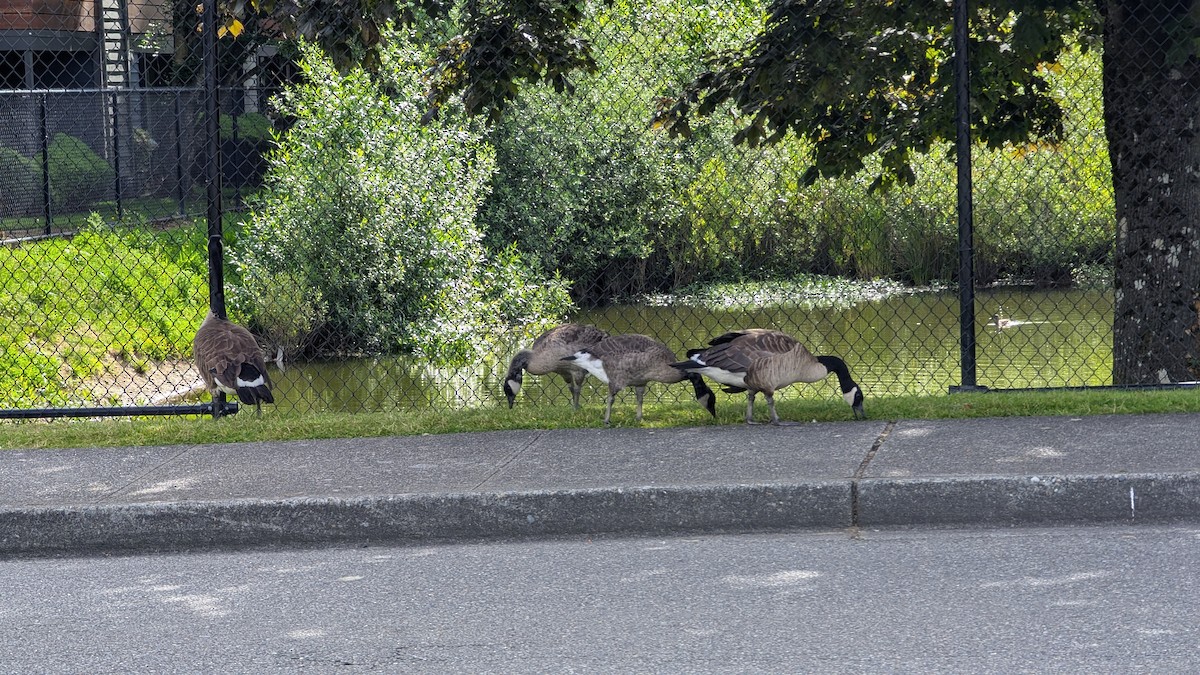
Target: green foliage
x=368 y=220
x=876 y=78
x=586 y=189
x=504 y=42
x=803 y=291
x=70 y=306
x=20 y=183
x=353 y=33
x=78 y=176
x=576 y=204
x=583 y=187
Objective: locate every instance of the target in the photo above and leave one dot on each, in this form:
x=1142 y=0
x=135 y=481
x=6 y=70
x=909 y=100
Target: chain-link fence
x=409 y=196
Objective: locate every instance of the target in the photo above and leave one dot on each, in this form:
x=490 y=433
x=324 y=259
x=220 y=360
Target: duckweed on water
x=806 y=291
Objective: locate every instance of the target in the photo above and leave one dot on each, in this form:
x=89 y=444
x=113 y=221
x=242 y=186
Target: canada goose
x=230 y=361
x=999 y=320
x=1002 y=322
x=546 y=354
x=758 y=359
x=633 y=361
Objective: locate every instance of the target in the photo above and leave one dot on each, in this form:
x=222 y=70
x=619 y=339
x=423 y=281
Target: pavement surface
x=456 y=487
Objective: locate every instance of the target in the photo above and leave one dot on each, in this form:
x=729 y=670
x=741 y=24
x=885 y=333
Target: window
x=12 y=70
x=63 y=70
x=156 y=70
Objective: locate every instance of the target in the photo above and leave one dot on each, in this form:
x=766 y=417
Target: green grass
x=244 y=427
x=70 y=307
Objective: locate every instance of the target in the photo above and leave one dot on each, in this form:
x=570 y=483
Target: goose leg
x=575 y=383
x=750 y=406
x=608 y=404
x=774 y=415
x=641 y=393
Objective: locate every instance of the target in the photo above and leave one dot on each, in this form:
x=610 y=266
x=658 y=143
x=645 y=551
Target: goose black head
x=704 y=395
x=515 y=376
x=855 y=398
x=512 y=387
x=850 y=389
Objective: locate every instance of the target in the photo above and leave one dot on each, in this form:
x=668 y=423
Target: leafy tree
x=859 y=78
x=501 y=42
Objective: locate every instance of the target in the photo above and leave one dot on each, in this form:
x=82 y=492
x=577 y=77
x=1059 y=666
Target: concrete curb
x=430 y=518
x=1031 y=500
x=408 y=519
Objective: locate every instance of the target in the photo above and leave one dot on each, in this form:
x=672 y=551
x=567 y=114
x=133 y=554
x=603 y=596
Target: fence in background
x=399 y=264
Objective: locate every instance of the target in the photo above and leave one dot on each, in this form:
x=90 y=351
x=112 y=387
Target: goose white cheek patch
x=851 y=395
x=514 y=386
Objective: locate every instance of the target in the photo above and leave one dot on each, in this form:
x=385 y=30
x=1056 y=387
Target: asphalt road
x=1084 y=599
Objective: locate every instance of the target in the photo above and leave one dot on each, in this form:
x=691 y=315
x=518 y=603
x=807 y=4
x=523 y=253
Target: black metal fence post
x=44 y=123
x=966 y=224
x=179 y=178
x=212 y=173
x=116 y=148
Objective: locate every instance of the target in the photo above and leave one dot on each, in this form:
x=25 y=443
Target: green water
x=900 y=344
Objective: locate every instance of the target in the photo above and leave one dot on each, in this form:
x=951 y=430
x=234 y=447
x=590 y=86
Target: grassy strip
x=274 y=427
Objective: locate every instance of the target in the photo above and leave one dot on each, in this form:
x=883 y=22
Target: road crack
x=862 y=471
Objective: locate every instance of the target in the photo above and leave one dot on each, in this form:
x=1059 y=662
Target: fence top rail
x=98 y=90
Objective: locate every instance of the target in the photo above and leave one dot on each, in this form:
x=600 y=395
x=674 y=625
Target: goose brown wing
x=726 y=356
x=738 y=351
x=768 y=342
x=244 y=349
x=621 y=345
x=756 y=338
x=548 y=351
x=223 y=346
x=568 y=338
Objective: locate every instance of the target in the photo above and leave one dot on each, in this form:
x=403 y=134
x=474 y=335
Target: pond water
x=898 y=344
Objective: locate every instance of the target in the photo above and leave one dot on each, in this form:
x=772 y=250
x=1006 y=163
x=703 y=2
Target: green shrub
x=78 y=176
x=584 y=188
x=20 y=183
x=577 y=204
x=368 y=218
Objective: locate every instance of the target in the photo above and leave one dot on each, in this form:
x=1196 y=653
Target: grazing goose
x=633 y=361
x=759 y=359
x=546 y=354
x=230 y=361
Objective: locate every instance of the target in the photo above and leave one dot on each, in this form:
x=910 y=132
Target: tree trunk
x=1152 y=117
